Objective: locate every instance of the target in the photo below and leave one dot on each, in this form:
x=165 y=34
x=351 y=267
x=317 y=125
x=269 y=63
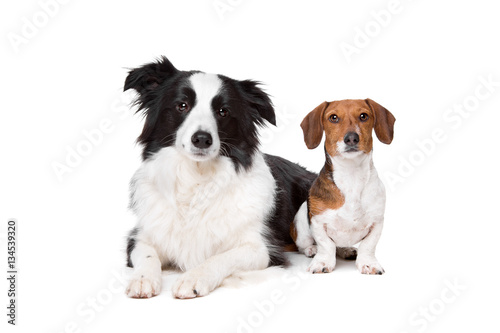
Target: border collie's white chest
x=216 y=206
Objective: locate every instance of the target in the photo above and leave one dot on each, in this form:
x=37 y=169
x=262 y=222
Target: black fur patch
x=292 y=188
x=248 y=106
x=161 y=88
x=131 y=245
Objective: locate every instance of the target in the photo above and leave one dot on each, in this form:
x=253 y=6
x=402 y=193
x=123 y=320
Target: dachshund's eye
x=334 y=118
x=223 y=112
x=363 y=117
x=183 y=107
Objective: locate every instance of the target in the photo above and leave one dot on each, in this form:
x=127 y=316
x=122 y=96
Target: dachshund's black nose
x=351 y=139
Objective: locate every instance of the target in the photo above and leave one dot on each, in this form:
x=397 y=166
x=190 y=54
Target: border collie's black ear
x=149 y=76
x=259 y=100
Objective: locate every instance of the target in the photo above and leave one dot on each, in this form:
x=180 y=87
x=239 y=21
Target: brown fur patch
x=312 y=126
x=384 y=121
x=291 y=248
x=324 y=194
x=293 y=234
x=293 y=231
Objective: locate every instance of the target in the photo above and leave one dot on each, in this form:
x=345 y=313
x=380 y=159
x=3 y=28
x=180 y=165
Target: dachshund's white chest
x=364 y=204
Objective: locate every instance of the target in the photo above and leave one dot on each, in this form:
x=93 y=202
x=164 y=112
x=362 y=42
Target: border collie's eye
x=183 y=107
x=223 y=112
x=334 y=118
x=363 y=117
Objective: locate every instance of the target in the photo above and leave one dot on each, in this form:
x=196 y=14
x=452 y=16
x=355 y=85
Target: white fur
x=200 y=118
x=364 y=196
x=146 y=279
x=342 y=150
x=305 y=240
x=360 y=219
x=202 y=217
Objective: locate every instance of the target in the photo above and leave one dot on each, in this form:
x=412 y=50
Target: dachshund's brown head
x=348 y=126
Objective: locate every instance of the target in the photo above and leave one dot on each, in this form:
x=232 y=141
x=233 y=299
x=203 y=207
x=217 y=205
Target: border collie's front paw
x=369 y=266
x=322 y=264
x=191 y=285
x=144 y=287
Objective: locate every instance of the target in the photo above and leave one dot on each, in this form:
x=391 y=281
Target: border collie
x=208 y=202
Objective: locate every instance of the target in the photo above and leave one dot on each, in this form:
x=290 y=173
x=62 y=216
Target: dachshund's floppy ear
x=384 y=122
x=148 y=77
x=312 y=126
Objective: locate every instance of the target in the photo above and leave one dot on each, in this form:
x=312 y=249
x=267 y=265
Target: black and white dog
x=207 y=200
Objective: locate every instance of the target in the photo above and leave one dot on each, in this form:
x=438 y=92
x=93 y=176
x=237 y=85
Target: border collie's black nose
x=201 y=139
x=351 y=139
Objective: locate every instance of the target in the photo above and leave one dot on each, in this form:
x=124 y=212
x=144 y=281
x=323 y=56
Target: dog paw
x=369 y=266
x=311 y=251
x=191 y=285
x=347 y=253
x=322 y=264
x=144 y=287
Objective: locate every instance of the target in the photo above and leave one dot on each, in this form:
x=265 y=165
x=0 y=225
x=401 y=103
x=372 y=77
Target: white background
x=442 y=212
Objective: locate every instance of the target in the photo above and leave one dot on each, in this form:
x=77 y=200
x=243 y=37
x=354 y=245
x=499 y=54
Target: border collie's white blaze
x=201 y=119
x=207 y=200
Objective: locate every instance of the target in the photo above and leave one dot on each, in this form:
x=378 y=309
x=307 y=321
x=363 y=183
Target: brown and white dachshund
x=346 y=202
